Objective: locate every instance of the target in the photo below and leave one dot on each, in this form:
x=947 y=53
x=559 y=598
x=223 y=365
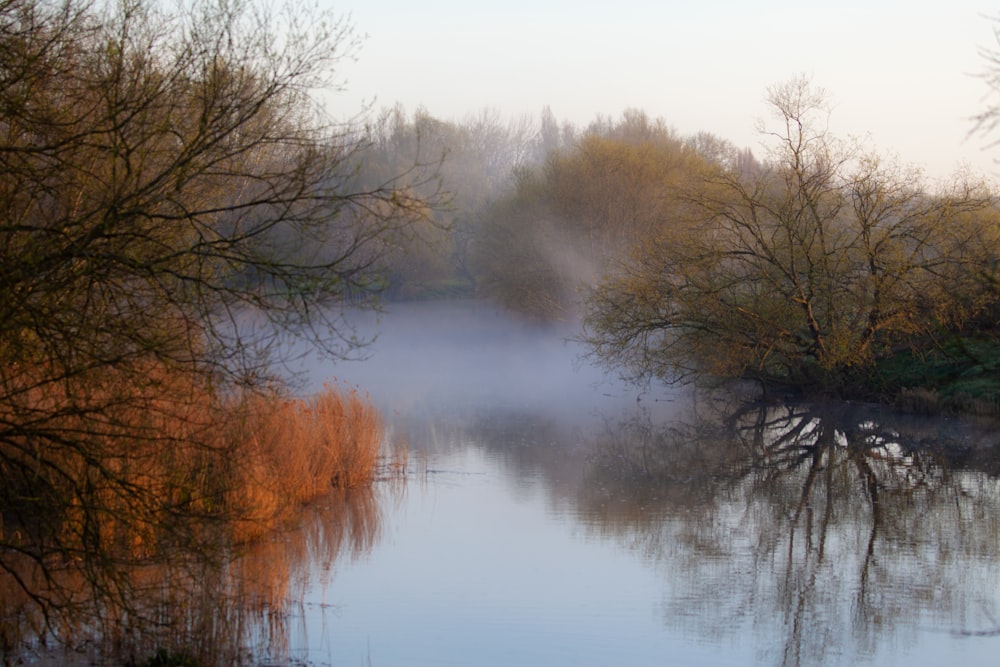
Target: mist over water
x=459 y=355
x=553 y=515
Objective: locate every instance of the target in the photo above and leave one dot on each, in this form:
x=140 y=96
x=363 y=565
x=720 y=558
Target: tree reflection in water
x=834 y=526
x=228 y=607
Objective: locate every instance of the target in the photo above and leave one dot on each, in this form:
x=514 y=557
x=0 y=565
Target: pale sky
x=900 y=73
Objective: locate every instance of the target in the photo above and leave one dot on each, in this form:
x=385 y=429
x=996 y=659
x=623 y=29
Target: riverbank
x=127 y=513
x=959 y=376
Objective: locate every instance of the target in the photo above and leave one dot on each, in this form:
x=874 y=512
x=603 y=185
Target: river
x=552 y=516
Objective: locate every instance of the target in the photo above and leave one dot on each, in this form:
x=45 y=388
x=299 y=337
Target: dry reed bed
x=115 y=463
x=110 y=477
x=294 y=450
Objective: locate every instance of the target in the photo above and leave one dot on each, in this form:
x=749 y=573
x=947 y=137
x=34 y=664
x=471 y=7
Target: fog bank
x=467 y=354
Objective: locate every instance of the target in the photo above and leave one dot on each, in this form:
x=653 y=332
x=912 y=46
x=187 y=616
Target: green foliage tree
x=172 y=199
x=804 y=270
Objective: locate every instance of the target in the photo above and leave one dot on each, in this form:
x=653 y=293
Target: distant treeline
x=817 y=266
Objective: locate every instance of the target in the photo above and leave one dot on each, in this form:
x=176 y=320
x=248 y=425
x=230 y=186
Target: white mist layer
x=469 y=354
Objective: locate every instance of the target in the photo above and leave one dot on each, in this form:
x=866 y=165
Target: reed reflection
x=834 y=527
x=232 y=608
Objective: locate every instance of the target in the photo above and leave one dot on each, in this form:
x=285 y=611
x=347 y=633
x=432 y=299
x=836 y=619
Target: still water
x=552 y=516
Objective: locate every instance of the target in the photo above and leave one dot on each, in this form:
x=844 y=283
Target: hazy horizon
x=901 y=76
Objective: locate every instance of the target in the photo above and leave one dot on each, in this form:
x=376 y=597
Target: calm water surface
x=554 y=517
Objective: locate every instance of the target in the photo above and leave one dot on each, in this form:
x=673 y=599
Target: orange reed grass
x=106 y=474
x=294 y=450
x=128 y=453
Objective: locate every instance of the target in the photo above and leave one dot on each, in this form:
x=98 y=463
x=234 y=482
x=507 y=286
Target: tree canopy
x=567 y=218
x=172 y=197
x=805 y=269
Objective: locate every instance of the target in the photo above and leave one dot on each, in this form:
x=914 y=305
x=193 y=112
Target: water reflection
x=270 y=581
x=233 y=608
x=826 y=529
x=552 y=517
x=563 y=507
x=711 y=531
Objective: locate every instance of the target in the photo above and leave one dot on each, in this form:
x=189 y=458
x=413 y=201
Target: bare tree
x=804 y=270
x=171 y=199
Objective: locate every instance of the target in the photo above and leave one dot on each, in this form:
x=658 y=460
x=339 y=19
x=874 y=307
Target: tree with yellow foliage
x=803 y=271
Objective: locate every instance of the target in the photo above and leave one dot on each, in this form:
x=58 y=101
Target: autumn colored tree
x=568 y=219
x=805 y=270
x=172 y=201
